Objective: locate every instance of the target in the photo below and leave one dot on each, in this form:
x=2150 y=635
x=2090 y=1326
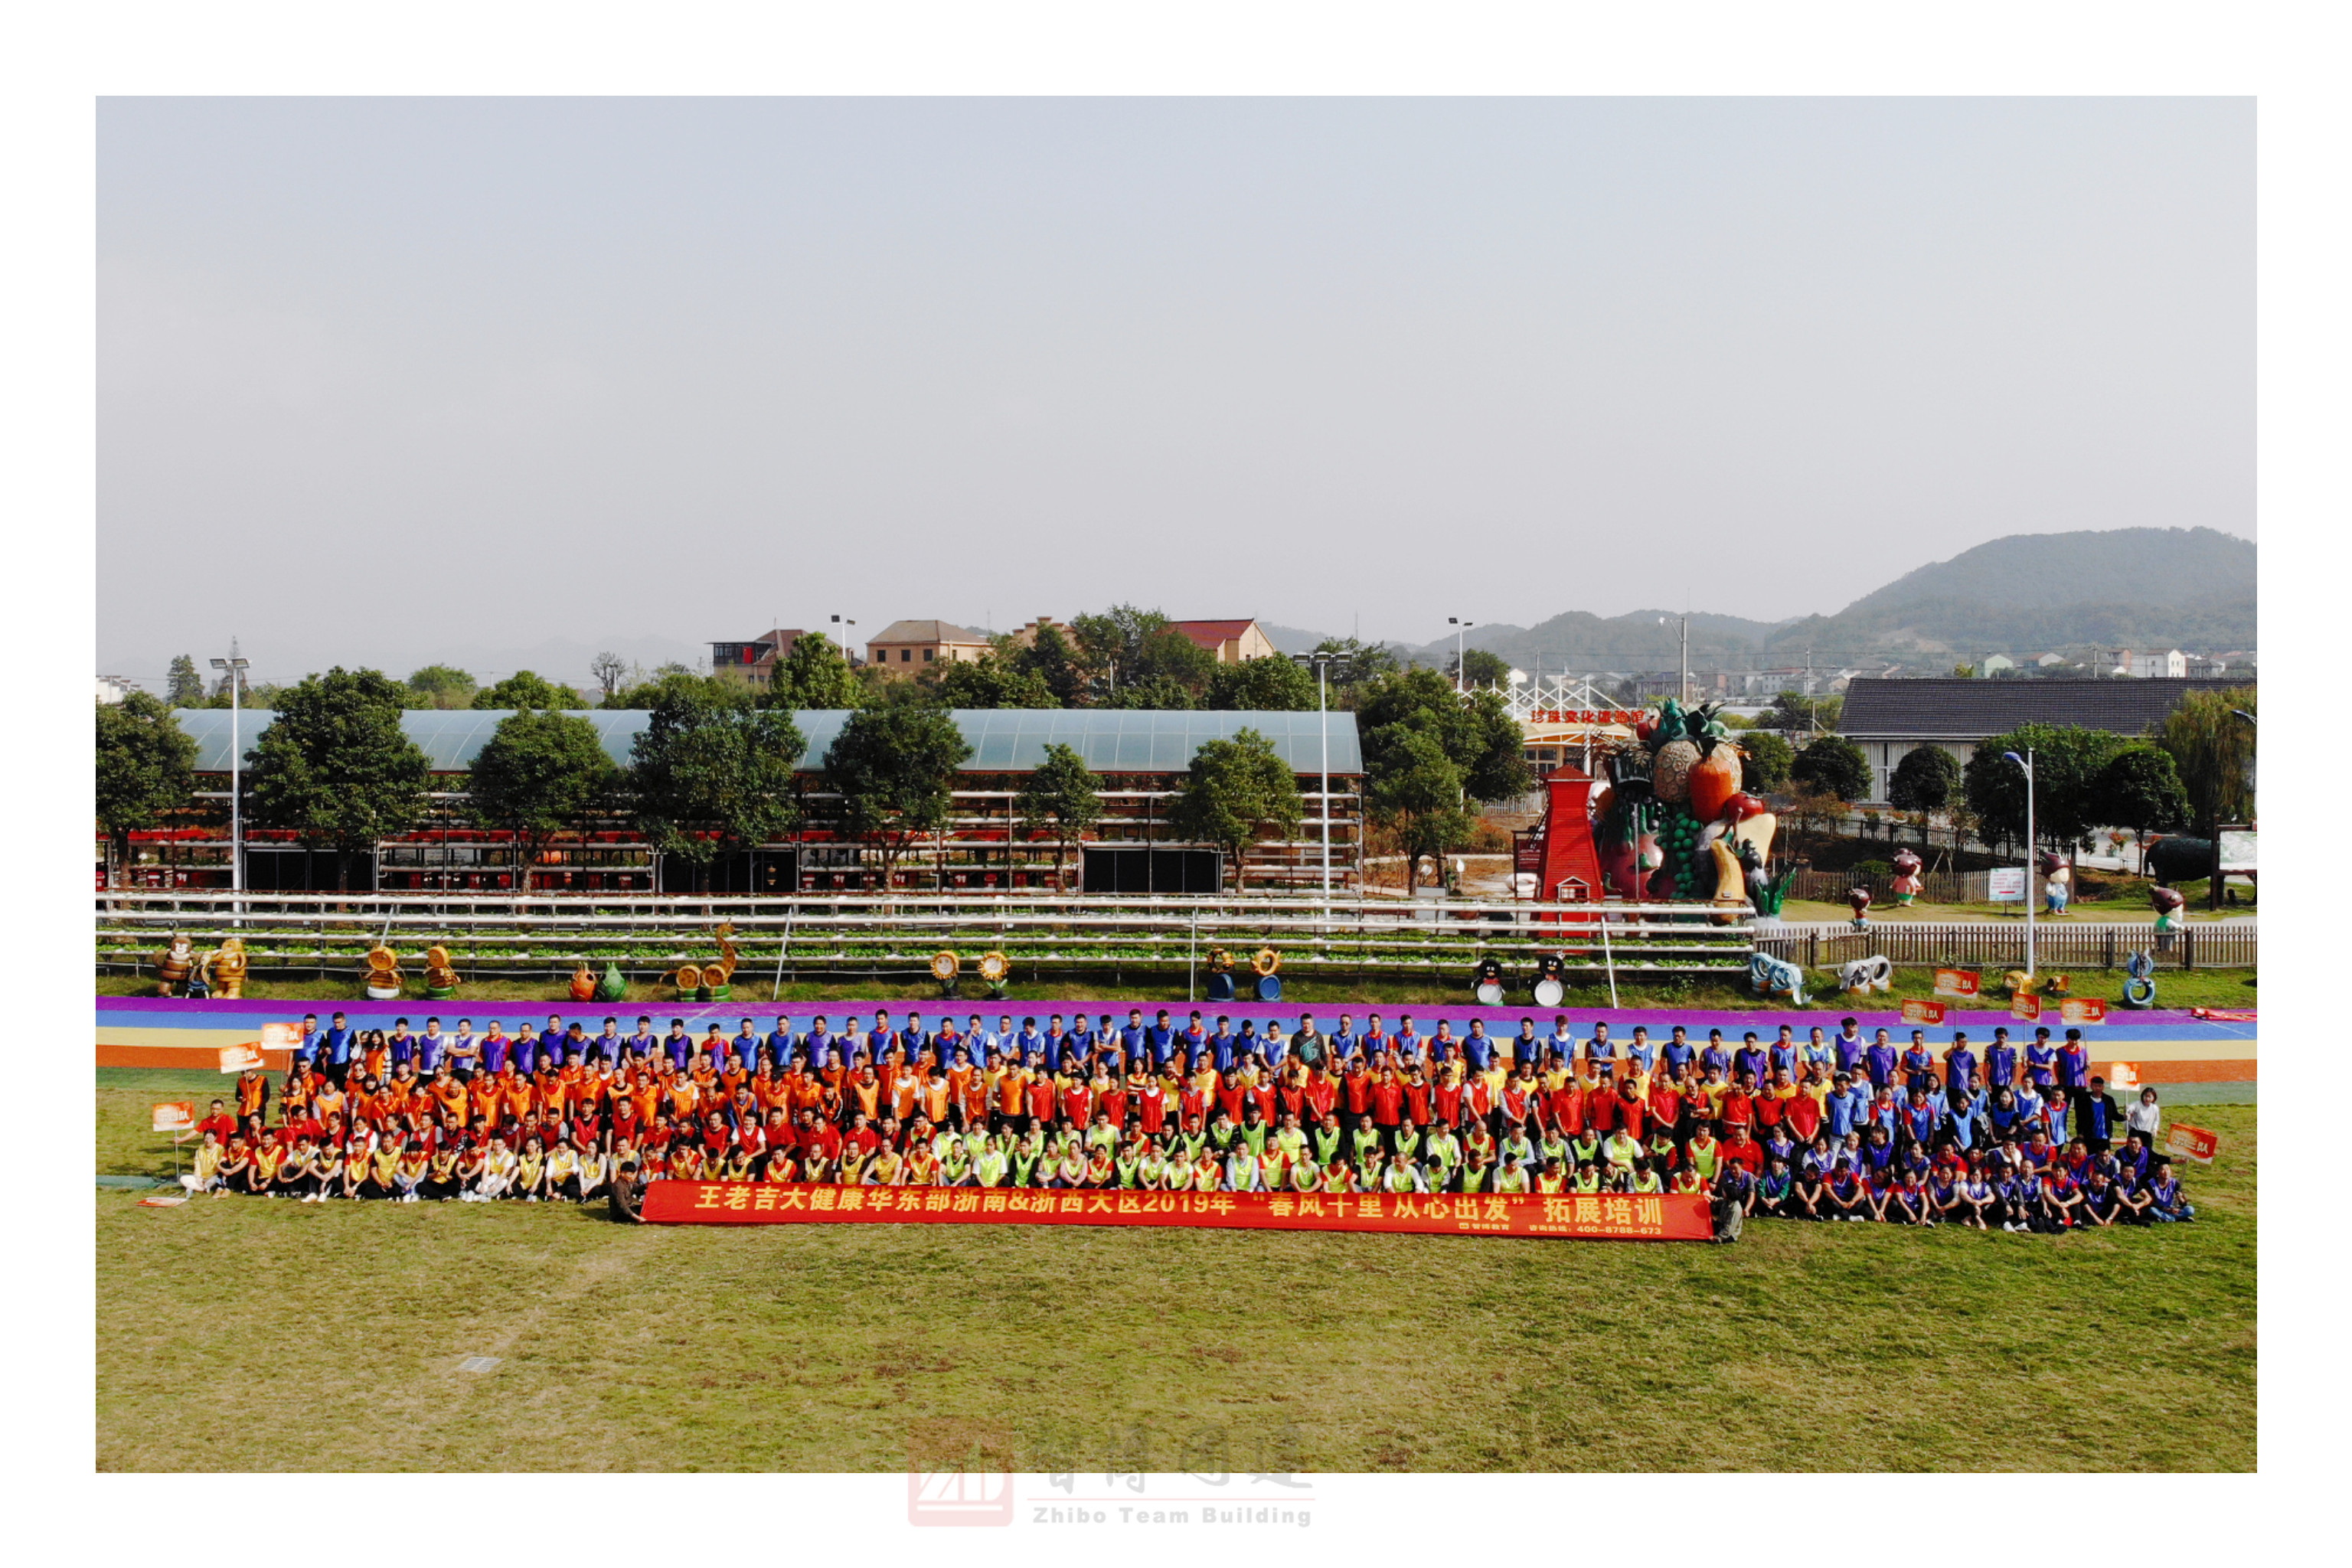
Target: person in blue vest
x=1818 y=1057
x=678 y=1046
x=1343 y=1040
x=1919 y=1063
x=783 y=1046
x=1999 y=1063
x=2168 y=1204
x=1029 y=1042
x=1676 y=1052
x=524 y=1052
x=1639 y=1054
x=2042 y=1062
x=314 y=1037
x=1160 y=1041
x=401 y=1043
x=1749 y=1059
x=1477 y=1050
x=1879 y=1062
x=1959 y=1063
x=641 y=1045
x=1713 y=1057
x=1406 y=1042
x=1247 y=1044
x=1191 y=1041
x=2075 y=1072
x=1847 y=1108
x=551 y=1039
x=1780 y=1056
x=1848 y=1046
x=1373 y=1040
x=1224 y=1049
x=1526 y=1049
x=335 y=1044
x=1133 y=1040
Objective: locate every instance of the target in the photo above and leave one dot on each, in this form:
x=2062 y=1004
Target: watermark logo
x=959 y=1474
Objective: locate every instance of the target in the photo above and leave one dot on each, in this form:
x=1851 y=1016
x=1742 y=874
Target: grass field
x=2199 y=988
x=241 y=1334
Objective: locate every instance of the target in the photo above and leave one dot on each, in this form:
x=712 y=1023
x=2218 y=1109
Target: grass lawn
x=241 y=1334
x=2199 y=988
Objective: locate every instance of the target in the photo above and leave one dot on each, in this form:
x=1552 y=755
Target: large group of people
x=2009 y=1134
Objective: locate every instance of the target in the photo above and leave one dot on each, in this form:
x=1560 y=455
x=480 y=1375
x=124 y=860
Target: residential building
x=1232 y=641
x=755 y=661
x=1027 y=636
x=1889 y=719
x=906 y=646
x=2169 y=664
x=1994 y=663
x=113 y=689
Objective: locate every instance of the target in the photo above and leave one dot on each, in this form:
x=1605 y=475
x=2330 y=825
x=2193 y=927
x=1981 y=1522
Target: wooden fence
x=1936 y=887
x=1919 y=944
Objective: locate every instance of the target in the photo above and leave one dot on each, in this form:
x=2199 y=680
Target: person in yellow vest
x=1645 y=1178
x=205 y=1174
x=440 y=1183
x=498 y=1175
x=1704 y=1153
x=1511 y=1178
x=1588 y=1177
x=1686 y=1181
x=1306 y=1176
x=1551 y=1178
x=1478 y=1171
x=531 y=1171
x=408 y=1174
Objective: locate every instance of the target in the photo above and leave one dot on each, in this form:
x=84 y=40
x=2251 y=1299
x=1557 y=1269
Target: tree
x=1125 y=646
x=1482 y=667
x=187 y=686
x=538 y=774
x=1477 y=732
x=1060 y=797
x=1926 y=780
x=1160 y=692
x=1794 y=714
x=335 y=768
x=1417 y=791
x=145 y=768
x=1052 y=659
x=1360 y=663
x=1765 y=762
x=989 y=681
x=524 y=689
x=608 y=670
x=2140 y=788
x=2066 y=761
x=1833 y=765
x=2212 y=750
x=1262 y=686
x=814 y=675
x=673 y=684
x=712 y=774
x=440 y=686
x=894 y=768
x=1232 y=790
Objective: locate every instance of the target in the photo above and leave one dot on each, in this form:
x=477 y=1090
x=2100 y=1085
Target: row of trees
x=714 y=770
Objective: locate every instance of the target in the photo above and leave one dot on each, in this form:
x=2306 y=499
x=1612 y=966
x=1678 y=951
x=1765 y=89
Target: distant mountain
x=1290 y=639
x=2130 y=587
x=2191 y=588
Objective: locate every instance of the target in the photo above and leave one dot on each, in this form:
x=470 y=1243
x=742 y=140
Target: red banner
x=2083 y=1010
x=2025 y=1005
x=1613 y=1217
x=1958 y=982
x=1923 y=1012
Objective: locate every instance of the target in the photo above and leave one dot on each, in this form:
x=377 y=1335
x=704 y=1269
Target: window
x=905 y=656
x=929 y=654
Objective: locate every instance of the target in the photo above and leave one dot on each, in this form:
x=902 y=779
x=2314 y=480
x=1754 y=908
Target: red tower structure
x=1559 y=851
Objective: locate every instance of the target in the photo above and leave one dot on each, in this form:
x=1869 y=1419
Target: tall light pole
x=1461 y=674
x=233 y=666
x=2026 y=763
x=1682 y=686
x=843 y=637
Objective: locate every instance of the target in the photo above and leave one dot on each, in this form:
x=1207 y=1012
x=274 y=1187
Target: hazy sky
x=393 y=381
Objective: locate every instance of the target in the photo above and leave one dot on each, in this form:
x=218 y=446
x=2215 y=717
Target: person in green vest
x=1187 y=1145
x=1305 y=1176
x=1588 y=1177
x=1222 y=1135
x=1070 y=1170
x=993 y=1162
x=1442 y=1152
x=1151 y=1167
x=1663 y=1152
x=1127 y=1166
x=1511 y=1178
x=1585 y=1149
x=1646 y=1177
x=1401 y=1175
x=956 y=1165
x=1476 y=1140
x=1102 y=1137
x=1704 y=1153
x=1254 y=1130
x=1477 y=1175
x=1551 y=1147
x=1518 y=1149
x=1327 y=1141
x=1364 y=1145
x=1241 y=1170
x=1289 y=1138
x=1618 y=1153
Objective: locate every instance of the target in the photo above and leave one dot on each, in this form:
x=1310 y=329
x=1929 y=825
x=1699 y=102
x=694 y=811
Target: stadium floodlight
x=234 y=667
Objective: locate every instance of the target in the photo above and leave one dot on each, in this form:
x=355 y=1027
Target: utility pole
x=2026 y=762
x=1682 y=685
x=1461 y=627
x=234 y=666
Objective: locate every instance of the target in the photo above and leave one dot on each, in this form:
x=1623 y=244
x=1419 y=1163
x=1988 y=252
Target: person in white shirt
x=2144 y=1117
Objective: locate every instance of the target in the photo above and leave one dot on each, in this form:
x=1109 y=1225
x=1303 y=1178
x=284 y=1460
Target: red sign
x=1627 y=717
x=281 y=1037
x=2192 y=1143
x=1958 y=982
x=175 y=1116
x=240 y=1059
x=2026 y=1005
x=1617 y=1217
x=1923 y=1012
x=2083 y=1010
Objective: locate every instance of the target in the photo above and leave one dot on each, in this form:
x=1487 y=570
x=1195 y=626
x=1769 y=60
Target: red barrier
x=1608 y=1217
